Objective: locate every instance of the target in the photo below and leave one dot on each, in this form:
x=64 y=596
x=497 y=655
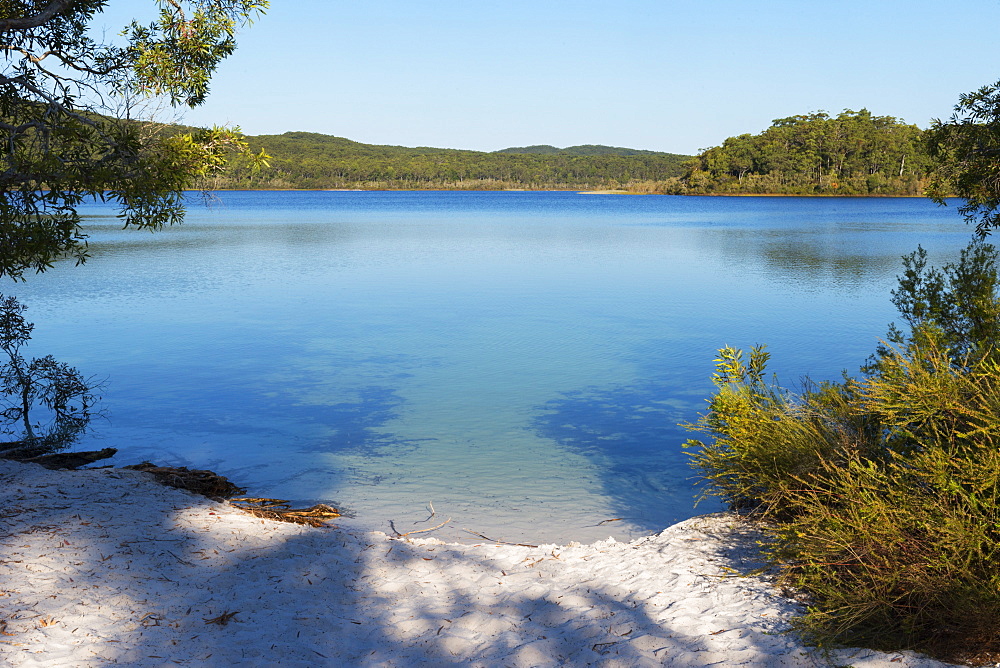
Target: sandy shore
x=107 y=567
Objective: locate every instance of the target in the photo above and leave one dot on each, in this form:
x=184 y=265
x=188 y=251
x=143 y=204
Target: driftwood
x=219 y=488
x=66 y=460
x=206 y=483
x=22 y=449
x=277 y=509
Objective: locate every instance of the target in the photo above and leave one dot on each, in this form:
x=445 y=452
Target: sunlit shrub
x=764 y=441
x=884 y=491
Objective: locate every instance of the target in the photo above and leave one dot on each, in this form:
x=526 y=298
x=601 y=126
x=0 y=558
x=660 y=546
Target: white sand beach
x=106 y=567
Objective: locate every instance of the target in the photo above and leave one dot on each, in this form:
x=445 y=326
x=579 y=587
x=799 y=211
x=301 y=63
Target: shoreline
x=553 y=190
x=107 y=566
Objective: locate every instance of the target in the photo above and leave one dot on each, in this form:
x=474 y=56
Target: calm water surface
x=520 y=360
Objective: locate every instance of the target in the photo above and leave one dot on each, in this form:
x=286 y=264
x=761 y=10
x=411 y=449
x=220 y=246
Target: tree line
x=305 y=160
x=853 y=153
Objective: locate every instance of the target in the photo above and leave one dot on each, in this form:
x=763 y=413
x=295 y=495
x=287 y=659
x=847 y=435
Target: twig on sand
x=222 y=619
x=498 y=542
x=615 y=519
x=430 y=507
x=404 y=535
x=186 y=563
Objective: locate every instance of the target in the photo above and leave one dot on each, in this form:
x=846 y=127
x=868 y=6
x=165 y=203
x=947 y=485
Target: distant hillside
x=307 y=160
x=585 y=149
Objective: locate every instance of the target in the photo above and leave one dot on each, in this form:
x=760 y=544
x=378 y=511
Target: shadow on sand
x=105 y=567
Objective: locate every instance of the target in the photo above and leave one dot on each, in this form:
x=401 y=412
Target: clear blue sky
x=665 y=75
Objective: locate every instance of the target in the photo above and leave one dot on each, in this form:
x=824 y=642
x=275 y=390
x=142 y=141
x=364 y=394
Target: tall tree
x=67 y=118
x=967 y=149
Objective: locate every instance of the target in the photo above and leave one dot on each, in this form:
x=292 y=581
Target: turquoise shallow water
x=518 y=360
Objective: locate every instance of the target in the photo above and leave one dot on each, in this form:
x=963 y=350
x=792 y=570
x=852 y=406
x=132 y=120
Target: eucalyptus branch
x=27 y=54
x=52 y=10
x=176 y=5
x=70 y=62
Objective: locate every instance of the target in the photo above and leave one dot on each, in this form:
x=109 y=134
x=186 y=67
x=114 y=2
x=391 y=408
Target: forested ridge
x=584 y=149
x=305 y=160
x=853 y=153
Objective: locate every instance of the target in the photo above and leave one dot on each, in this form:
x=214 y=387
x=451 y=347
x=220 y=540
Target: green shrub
x=766 y=443
x=903 y=551
x=884 y=491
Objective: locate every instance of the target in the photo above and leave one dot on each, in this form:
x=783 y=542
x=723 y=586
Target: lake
x=517 y=362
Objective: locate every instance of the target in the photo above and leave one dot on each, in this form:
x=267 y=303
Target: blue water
x=518 y=362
